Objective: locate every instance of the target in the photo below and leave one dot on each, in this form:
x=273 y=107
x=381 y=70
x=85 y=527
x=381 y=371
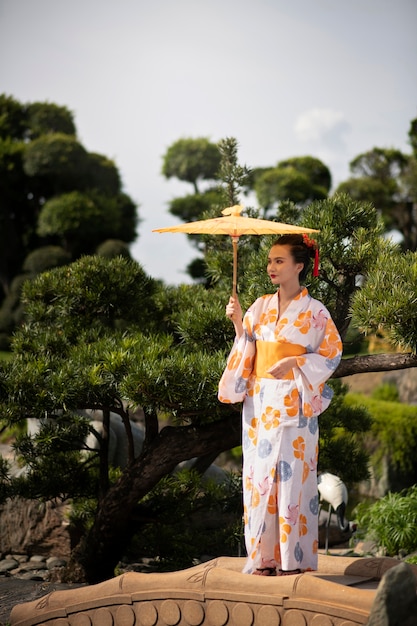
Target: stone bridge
x=216 y=593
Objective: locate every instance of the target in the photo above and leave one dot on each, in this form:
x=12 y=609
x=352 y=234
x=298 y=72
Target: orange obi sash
x=269 y=352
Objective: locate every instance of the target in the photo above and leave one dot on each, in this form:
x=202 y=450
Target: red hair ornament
x=310 y=243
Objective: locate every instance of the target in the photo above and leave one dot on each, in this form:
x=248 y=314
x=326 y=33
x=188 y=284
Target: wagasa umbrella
x=232 y=223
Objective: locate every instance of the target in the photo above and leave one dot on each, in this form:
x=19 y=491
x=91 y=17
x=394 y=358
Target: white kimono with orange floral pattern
x=280 y=426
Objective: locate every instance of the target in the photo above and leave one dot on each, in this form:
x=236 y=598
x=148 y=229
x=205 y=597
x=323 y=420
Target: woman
x=286 y=347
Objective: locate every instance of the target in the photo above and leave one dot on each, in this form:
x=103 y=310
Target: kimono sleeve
x=315 y=367
x=233 y=383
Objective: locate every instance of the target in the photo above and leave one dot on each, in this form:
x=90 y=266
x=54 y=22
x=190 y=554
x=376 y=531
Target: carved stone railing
x=216 y=593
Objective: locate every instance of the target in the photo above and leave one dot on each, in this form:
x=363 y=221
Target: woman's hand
x=233 y=309
x=234 y=313
x=281 y=368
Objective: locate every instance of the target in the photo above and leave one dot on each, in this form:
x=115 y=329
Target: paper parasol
x=234 y=225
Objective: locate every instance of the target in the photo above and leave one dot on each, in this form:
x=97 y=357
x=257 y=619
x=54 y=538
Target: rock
x=395 y=603
x=7 y=565
x=53 y=561
x=406 y=382
x=33 y=527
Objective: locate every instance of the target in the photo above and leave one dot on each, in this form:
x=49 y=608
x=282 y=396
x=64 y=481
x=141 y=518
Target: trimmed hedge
x=393 y=434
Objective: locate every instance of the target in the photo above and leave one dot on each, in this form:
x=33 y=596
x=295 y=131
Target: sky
x=285 y=78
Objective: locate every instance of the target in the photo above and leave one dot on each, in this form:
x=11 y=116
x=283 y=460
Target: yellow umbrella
x=234 y=225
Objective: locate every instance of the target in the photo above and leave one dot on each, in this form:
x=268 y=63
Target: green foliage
x=45 y=258
x=197 y=318
x=56 y=157
x=40 y=161
x=354 y=341
x=52 y=454
x=178 y=382
x=207 y=520
x=387 y=392
x=77 y=221
x=233 y=176
x=45 y=118
x=191 y=160
x=384 y=177
x=192 y=206
x=391 y=521
x=412 y=560
x=342 y=430
x=112 y=248
x=387 y=301
x=102 y=174
x=350 y=241
x=11 y=312
x=300 y=180
x=393 y=433
x=318 y=173
x=88 y=294
x=12 y=118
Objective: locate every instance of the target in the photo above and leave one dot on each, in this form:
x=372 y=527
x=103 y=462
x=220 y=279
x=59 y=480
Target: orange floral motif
x=281 y=323
x=315 y=546
x=269 y=317
x=234 y=360
x=247 y=325
x=255 y=498
x=248 y=366
x=272 y=504
x=307 y=410
x=330 y=346
x=248 y=483
x=253 y=388
x=299 y=447
x=306 y=471
x=277 y=553
x=271 y=417
x=285 y=530
x=303 y=322
x=302 y=525
x=253 y=430
x=291 y=402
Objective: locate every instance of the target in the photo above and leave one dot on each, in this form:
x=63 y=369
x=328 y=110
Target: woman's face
x=282 y=268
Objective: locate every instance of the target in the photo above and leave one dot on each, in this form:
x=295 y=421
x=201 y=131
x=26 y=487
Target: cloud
x=322 y=127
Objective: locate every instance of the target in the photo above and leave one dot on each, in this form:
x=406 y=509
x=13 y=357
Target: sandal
x=265 y=571
x=289 y=572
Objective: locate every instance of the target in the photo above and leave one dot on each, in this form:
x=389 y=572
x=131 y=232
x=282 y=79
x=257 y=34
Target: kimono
x=280 y=425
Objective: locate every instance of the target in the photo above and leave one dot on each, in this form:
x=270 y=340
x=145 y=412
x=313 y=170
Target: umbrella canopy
x=234 y=224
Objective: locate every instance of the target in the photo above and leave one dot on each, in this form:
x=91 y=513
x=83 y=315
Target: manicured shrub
x=391 y=521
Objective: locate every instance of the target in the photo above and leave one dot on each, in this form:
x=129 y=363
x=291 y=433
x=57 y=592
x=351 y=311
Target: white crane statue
x=333 y=490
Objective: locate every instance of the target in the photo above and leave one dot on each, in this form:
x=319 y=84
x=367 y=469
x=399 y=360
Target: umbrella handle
x=234 y=244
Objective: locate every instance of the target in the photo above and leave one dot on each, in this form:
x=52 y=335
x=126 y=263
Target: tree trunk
x=97 y=554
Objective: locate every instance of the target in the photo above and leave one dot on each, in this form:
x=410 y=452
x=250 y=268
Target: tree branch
x=375 y=363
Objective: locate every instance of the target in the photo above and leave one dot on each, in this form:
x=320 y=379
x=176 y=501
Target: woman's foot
x=265 y=571
x=288 y=572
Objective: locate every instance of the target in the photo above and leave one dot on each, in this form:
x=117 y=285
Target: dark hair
x=300 y=250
